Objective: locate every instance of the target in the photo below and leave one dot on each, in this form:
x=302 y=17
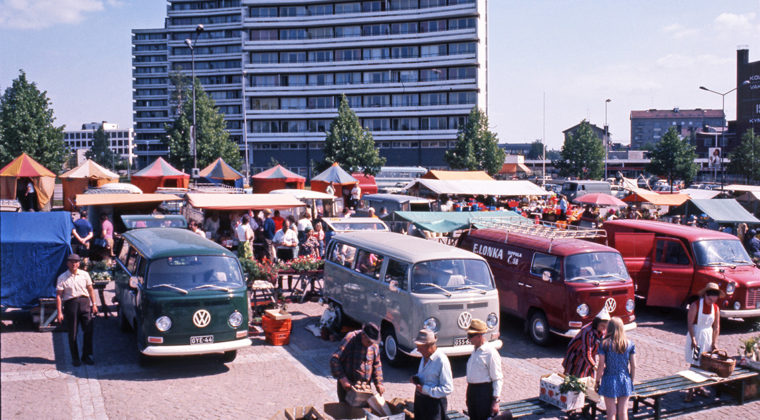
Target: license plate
x=202 y=339
x=461 y=341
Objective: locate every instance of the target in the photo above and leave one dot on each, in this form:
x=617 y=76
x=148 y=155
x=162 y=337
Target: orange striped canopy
x=25 y=166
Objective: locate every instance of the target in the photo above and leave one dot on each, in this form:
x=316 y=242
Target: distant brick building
x=648 y=127
x=747 y=96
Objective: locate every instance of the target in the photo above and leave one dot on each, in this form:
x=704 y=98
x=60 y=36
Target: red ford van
x=557 y=284
x=671 y=263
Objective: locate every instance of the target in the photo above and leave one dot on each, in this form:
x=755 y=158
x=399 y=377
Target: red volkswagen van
x=671 y=263
x=556 y=284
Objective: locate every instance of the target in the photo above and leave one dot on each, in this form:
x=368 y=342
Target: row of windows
x=351 y=7
x=89 y=135
x=151 y=81
x=367 y=77
x=356 y=54
x=150 y=47
x=150 y=92
x=203 y=50
x=205 y=5
x=224 y=94
x=205 y=20
x=150 y=70
x=227 y=33
x=371 y=124
x=150 y=59
x=434 y=144
x=149 y=125
x=151 y=102
x=207 y=65
x=366 y=101
x=149 y=37
x=377 y=29
x=150 y=114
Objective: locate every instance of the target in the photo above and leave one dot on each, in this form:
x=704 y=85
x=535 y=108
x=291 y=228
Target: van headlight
x=582 y=310
x=630 y=305
x=492 y=320
x=163 y=323
x=235 y=319
x=431 y=324
x=730 y=288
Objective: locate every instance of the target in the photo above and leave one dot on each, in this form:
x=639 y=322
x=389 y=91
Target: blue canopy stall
x=34 y=247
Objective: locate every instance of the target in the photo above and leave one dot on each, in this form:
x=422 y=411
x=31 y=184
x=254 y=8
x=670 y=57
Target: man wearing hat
x=358 y=360
x=580 y=359
x=484 y=376
x=753 y=243
x=433 y=381
x=75 y=302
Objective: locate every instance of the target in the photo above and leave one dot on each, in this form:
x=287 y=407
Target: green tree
x=212 y=139
x=582 y=154
x=745 y=160
x=536 y=150
x=477 y=147
x=26 y=126
x=100 y=151
x=350 y=145
x=673 y=157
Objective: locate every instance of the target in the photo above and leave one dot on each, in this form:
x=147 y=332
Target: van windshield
x=448 y=276
x=197 y=272
x=595 y=266
x=721 y=252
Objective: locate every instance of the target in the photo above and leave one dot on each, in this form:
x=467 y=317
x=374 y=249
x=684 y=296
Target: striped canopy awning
x=279 y=172
x=25 y=166
x=219 y=169
x=160 y=168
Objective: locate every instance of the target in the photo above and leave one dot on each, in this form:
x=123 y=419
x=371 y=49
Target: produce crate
x=277 y=338
x=550 y=393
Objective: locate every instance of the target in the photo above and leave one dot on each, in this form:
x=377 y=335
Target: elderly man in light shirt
x=286 y=240
x=433 y=381
x=484 y=376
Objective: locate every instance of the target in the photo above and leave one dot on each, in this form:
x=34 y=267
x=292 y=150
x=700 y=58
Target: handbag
x=717 y=361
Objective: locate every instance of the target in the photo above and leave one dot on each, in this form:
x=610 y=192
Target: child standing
x=617 y=361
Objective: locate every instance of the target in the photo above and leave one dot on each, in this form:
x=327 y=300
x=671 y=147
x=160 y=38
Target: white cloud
x=737 y=23
x=679 y=31
x=40 y=14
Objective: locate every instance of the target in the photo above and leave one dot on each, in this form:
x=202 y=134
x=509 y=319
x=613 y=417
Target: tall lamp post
x=191 y=44
x=606 y=137
x=245 y=132
x=723 y=129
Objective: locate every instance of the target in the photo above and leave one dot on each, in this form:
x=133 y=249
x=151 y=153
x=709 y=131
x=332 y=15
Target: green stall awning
x=726 y=210
x=446 y=222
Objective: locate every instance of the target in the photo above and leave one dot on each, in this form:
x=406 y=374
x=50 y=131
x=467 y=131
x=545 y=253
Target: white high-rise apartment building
x=411 y=70
x=120 y=140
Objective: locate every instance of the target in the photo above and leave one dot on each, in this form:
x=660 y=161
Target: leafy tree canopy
x=477 y=148
x=101 y=152
x=211 y=135
x=745 y=160
x=536 y=150
x=673 y=157
x=350 y=145
x=26 y=126
x=582 y=154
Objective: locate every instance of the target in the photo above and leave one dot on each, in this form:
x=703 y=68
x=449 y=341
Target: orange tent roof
x=657 y=199
x=457 y=175
x=242 y=201
x=90 y=169
x=25 y=166
x=119 y=198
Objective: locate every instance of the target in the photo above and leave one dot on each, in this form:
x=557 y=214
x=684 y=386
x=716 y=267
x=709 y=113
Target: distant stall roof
x=656 y=198
x=700 y=194
x=304 y=194
x=742 y=188
x=457 y=175
x=243 y=201
x=725 y=210
x=471 y=187
x=448 y=221
x=111 y=199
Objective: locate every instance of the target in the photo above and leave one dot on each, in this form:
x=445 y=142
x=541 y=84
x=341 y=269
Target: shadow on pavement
x=27 y=360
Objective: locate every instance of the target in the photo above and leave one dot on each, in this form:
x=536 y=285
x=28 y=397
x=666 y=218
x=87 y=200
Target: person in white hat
x=580 y=358
x=433 y=382
x=484 y=375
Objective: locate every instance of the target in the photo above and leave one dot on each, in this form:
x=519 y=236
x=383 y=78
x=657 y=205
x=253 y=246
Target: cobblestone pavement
x=38 y=380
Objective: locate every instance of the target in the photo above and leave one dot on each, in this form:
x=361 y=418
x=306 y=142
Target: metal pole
x=245 y=133
x=192 y=132
x=543 y=148
x=606 y=137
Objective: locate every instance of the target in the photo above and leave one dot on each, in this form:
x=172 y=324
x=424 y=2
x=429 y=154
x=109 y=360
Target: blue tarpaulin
x=34 y=247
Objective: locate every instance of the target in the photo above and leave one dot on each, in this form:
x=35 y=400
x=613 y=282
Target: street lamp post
x=191 y=45
x=245 y=132
x=606 y=137
x=723 y=129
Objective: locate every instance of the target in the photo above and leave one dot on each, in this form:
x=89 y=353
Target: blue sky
x=640 y=54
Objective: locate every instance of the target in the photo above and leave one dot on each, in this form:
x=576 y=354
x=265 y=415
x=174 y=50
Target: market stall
x=467 y=188
x=720 y=212
x=87 y=175
x=277 y=177
x=366 y=183
x=457 y=175
x=335 y=175
x=320 y=203
x=117 y=204
x=160 y=174
x=19 y=175
x=219 y=172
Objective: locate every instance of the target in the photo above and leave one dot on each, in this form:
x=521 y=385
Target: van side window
x=141 y=268
x=132 y=261
x=124 y=252
x=397 y=272
x=671 y=252
x=343 y=254
x=369 y=263
x=545 y=262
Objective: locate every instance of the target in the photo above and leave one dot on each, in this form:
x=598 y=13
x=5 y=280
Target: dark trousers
x=78 y=313
x=341 y=393
x=479 y=399
x=429 y=408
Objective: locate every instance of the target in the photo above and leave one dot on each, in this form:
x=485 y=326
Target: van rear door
x=672 y=273
x=637 y=251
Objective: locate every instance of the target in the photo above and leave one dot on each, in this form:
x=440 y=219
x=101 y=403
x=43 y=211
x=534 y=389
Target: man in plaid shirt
x=358 y=360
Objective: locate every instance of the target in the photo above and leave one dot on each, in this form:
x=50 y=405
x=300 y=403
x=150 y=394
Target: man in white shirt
x=356 y=194
x=75 y=303
x=484 y=376
x=433 y=381
x=286 y=240
x=243 y=231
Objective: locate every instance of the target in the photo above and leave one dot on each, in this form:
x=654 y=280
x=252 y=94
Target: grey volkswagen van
x=404 y=283
x=182 y=294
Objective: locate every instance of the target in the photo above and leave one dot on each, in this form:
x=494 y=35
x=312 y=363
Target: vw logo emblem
x=464 y=320
x=610 y=305
x=201 y=318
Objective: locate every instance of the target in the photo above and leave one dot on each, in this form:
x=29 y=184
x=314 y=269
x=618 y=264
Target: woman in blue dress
x=617 y=361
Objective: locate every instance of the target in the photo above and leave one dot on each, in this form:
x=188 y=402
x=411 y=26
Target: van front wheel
x=538 y=328
x=229 y=356
x=390 y=347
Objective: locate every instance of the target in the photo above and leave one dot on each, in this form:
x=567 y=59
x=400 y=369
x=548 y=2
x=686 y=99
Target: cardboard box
x=277 y=314
x=395 y=416
x=549 y=393
x=341 y=411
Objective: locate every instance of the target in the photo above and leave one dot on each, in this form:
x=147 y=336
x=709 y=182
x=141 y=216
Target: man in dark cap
x=753 y=244
x=358 y=360
x=75 y=302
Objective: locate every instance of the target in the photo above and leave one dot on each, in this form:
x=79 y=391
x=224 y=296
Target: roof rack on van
x=543 y=229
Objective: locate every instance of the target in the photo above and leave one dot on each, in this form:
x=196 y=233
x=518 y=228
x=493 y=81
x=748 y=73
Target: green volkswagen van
x=182 y=294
